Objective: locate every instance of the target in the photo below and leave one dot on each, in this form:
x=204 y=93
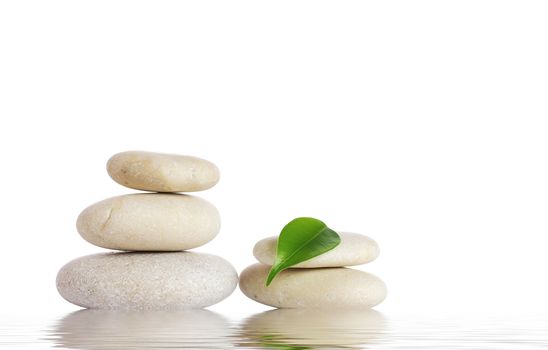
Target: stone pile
x=321 y=282
x=155 y=230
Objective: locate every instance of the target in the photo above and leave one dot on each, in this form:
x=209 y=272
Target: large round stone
x=336 y=287
x=354 y=249
x=148 y=281
x=149 y=222
x=161 y=172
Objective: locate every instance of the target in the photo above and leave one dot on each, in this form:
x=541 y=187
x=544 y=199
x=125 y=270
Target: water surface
x=275 y=329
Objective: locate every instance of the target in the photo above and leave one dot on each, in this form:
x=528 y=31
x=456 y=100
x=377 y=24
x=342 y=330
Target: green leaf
x=302 y=239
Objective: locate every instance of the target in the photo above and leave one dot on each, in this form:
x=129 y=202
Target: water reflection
x=296 y=329
x=312 y=329
x=96 y=329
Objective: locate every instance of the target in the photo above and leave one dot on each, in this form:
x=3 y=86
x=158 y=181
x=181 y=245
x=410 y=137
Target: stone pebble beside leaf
x=354 y=249
x=304 y=268
x=334 y=288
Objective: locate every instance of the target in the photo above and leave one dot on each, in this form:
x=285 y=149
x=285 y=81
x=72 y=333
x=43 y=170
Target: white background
x=420 y=123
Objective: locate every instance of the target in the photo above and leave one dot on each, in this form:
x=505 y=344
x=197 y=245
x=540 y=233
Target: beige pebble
x=147 y=281
x=149 y=222
x=354 y=249
x=161 y=172
x=336 y=287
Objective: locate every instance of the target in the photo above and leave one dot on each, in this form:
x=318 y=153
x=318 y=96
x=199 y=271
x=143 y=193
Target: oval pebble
x=149 y=222
x=147 y=281
x=336 y=287
x=160 y=172
x=354 y=249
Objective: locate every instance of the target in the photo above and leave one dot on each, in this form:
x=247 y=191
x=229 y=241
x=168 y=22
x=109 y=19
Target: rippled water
x=276 y=329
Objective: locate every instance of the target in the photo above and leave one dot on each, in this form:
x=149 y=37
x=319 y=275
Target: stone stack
x=155 y=230
x=321 y=282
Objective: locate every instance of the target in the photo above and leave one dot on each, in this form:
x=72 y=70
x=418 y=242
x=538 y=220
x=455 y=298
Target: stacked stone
x=321 y=282
x=155 y=230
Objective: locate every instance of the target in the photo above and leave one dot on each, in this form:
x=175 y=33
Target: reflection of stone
x=312 y=329
x=101 y=329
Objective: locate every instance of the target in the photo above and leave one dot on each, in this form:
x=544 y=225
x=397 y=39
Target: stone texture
x=336 y=287
x=149 y=222
x=147 y=281
x=160 y=172
x=354 y=249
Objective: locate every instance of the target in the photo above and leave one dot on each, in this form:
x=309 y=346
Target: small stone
x=354 y=249
x=149 y=222
x=147 y=281
x=161 y=172
x=336 y=287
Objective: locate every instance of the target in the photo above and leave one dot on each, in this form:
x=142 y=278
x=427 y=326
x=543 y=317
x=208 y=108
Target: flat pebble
x=149 y=222
x=336 y=287
x=147 y=281
x=354 y=249
x=161 y=172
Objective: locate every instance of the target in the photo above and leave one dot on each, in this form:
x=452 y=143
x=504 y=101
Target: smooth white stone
x=315 y=328
x=147 y=281
x=161 y=172
x=117 y=329
x=149 y=222
x=335 y=287
x=354 y=249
